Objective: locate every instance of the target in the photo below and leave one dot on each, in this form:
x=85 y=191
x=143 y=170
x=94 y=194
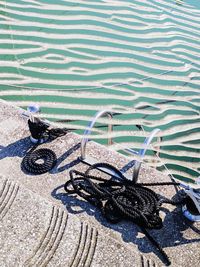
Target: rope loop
x=121 y=199
x=39 y=161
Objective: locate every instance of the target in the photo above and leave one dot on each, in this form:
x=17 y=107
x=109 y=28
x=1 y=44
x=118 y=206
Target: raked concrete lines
x=35 y=233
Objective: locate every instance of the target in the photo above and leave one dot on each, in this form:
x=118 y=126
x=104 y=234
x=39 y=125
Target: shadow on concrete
x=16 y=149
x=21 y=147
x=171 y=235
x=58 y=168
x=128 y=166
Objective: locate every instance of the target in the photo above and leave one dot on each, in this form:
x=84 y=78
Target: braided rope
x=122 y=199
x=31 y=164
x=41 y=160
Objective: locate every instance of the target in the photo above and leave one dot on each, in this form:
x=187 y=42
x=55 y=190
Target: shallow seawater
x=140 y=59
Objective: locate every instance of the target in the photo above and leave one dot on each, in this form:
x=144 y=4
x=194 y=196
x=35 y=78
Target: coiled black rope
x=39 y=161
x=119 y=200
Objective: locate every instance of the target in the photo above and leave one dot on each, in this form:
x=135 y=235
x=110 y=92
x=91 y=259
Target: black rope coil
x=120 y=200
x=39 y=161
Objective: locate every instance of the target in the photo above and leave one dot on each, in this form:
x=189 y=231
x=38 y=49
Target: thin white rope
x=89 y=88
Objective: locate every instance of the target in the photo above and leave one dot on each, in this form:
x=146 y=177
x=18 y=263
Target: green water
x=137 y=57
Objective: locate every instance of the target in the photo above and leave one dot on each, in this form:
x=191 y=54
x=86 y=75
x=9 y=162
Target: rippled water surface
x=139 y=58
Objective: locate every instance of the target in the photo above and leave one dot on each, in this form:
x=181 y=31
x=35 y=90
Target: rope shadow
x=16 y=149
x=171 y=235
x=21 y=147
x=76 y=206
x=57 y=168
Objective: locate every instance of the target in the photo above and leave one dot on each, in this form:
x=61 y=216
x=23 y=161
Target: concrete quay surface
x=40 y=225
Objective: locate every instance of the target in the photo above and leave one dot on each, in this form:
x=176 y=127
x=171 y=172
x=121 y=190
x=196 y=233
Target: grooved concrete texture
x=40 y=225
x=34 y=232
